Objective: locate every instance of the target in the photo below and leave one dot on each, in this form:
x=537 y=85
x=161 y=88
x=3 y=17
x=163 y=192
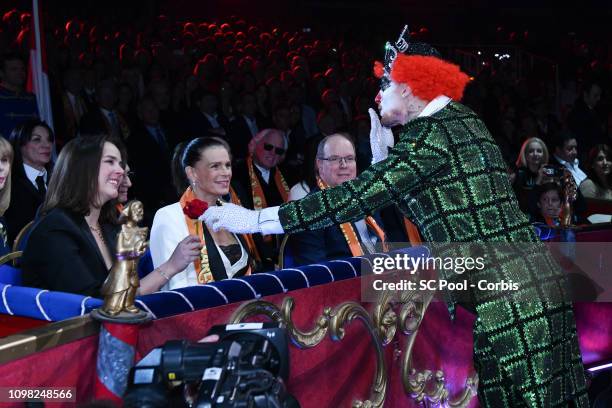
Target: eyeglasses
x=129 y=174
x=278 y=150
x=337 y=159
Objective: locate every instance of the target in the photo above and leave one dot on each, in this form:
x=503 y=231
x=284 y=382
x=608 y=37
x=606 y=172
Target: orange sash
x=413 y=232
x=349 y=232
x=195 y=227
x=259 y=199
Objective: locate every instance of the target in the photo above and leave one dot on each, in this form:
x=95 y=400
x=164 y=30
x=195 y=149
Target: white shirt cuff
x=269 y=222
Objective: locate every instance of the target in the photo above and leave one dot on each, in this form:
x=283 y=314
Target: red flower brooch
x=195 y=208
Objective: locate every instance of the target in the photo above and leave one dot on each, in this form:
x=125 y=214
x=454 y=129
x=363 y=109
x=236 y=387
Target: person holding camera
x=531 y=171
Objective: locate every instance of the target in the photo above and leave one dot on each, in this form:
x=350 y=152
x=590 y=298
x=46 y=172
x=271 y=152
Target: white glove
x=381 y=138
x=239 y=220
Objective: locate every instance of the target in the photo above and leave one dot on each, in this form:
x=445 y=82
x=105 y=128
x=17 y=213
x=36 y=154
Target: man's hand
x=381 y=138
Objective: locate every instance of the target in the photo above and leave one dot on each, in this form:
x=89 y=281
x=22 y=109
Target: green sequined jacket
x=447 y=175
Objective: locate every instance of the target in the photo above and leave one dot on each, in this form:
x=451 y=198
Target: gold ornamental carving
x=391 y=314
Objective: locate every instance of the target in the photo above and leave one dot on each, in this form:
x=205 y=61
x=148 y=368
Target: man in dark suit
x=105 y=118
x=263 y=183
x=205 y=119
x=336 y=164
x=244 y=126
x=150 y=153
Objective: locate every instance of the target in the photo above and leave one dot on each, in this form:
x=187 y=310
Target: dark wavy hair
x=74 y=182
x=590 y=160
x=22 y=134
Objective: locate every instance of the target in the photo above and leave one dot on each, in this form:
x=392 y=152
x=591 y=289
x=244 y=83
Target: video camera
x=246 y=368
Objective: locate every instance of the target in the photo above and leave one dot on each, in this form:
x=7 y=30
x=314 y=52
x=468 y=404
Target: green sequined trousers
x=447 y=175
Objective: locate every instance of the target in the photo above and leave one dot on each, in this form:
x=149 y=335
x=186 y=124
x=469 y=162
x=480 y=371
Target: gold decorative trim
x=332 y=321
x=416 y=382
x=42 y=338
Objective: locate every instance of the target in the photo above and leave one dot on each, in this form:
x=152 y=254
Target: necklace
x=98 y=231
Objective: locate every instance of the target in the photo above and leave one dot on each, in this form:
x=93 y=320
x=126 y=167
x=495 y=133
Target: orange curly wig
x=427 y=77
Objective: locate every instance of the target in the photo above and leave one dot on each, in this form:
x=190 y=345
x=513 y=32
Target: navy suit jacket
x=322 y=245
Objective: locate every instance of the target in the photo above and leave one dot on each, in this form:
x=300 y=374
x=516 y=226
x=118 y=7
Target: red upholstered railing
x=332 y=374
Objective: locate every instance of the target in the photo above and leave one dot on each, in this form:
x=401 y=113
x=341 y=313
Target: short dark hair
x=22 y=134
x=546 y=187
x=80 y=156
x=562 y=137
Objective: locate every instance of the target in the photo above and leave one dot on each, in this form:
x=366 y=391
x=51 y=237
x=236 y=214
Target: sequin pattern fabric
x=447 y=176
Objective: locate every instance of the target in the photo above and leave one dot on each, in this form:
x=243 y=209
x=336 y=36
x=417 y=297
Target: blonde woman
x=530 y=171
x=6 y=159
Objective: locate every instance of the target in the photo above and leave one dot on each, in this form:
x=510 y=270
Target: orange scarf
x=195 y=227
x=413 y=232
x=349 y=232
x=259 y=199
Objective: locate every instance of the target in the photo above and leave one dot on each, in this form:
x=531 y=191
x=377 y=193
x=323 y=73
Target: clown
x=447 y=175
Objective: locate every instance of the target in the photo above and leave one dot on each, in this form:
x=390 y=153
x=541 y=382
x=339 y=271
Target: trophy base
x=122 y=317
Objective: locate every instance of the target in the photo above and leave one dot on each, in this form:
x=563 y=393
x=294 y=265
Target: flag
x=38 y=80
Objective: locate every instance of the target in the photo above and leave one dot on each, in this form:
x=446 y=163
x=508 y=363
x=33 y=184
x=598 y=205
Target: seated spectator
x=549 y=197
x=530 y=170
x=32 y=144
x=206 y=163
x=566 y=154
x=205 y=119
x=105 y=118
x=599 y=170
x=244 y=126
x=71 y=248
x=336 y=164
x=150 y=149
x=6 y=159
x=261 y=176
x=16 y=105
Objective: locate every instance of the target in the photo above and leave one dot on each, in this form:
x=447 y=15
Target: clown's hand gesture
x=381 y=138
x=240 y=220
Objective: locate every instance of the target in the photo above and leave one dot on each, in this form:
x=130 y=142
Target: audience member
x=6 y=159
x=16 y=105
x=207 y=165
x=549 y=197
x=205 y=120
x=244 y=126
x=71 y=248
x=566 y=154
x=584 y=121
x=32 y=145
x=530 y=165
x=150 y=151
x=335 y=164
x=73 y=105
x=105 y=118
x=599 y=171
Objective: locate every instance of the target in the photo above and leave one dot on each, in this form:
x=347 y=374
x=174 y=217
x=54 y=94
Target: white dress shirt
x=32 y=173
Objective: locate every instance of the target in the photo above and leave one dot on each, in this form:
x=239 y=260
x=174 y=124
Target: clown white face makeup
x=398 y=105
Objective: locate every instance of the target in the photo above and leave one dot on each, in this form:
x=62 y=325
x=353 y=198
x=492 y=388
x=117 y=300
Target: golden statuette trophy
x=119 y=288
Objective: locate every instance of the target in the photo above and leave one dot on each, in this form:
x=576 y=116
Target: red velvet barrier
x=331 y=375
